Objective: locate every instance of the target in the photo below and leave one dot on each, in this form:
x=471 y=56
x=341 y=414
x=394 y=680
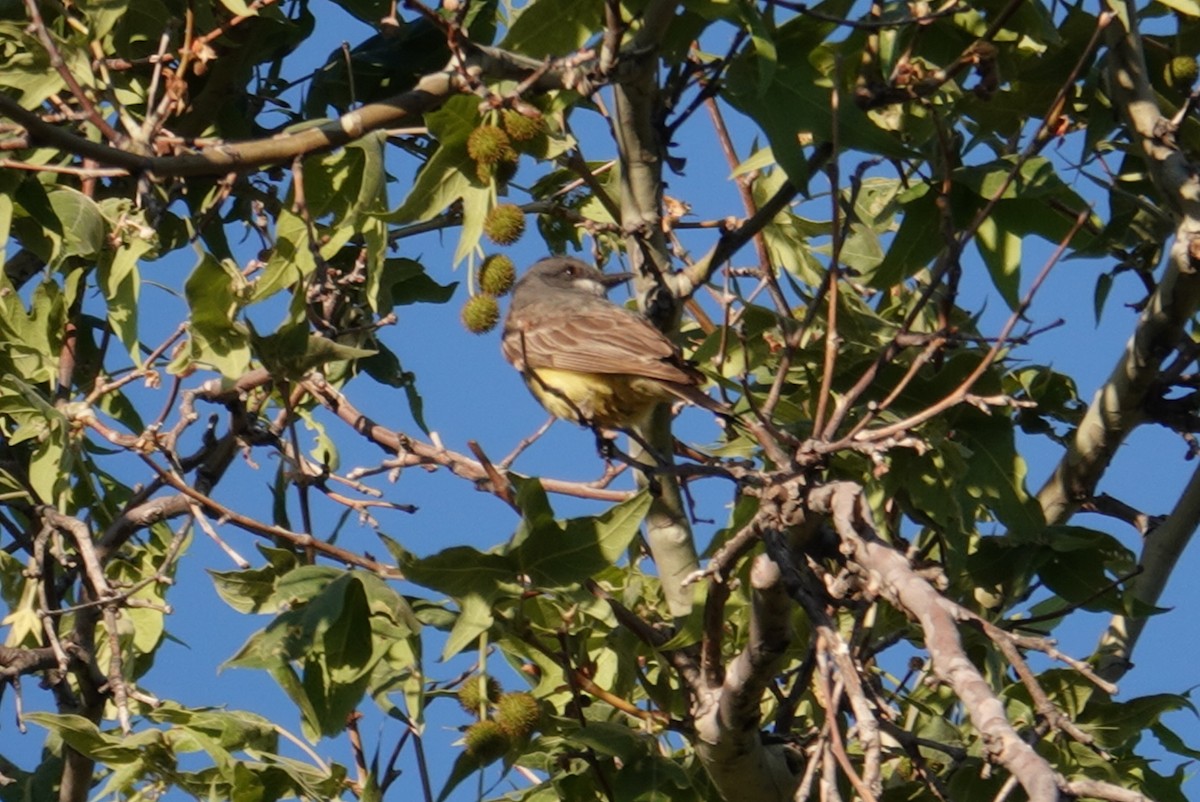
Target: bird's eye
x=569 y=270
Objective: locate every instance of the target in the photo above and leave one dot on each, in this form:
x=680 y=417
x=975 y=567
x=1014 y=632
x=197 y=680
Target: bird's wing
x=604 y=340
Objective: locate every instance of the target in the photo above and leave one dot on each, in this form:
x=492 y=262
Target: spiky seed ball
x=504 y=224
x=497 y=275
x=488 y=144
x=1181 y=73
x=493 y=153
x=480 y=313
x=521 y=128
x=486 y=741
x=502 y=172
x=469 y=695
x=518 y=714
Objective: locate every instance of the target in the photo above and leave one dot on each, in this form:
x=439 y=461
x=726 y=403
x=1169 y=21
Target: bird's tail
x=697 y=397
x=774 y=443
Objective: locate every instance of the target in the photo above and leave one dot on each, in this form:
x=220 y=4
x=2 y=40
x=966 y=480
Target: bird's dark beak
x=613 y=279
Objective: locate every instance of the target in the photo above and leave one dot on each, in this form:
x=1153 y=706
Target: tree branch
x=895 y=579
x=728 y=742
x=1117 y=406
x=430 y=93
x=1160 y=553
x=641 y=152
x=410 y=451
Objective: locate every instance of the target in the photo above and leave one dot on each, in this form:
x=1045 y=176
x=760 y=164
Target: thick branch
x=755 y=667
x=911 y=593
x=641 y=152
x=728 y=741
x=430 y=92
x=15 y=662
x=1160 y=553
x=1117 y=406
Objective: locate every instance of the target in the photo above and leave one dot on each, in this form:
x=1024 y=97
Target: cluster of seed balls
x=496 y=277
x=494 y=149
x=512 y=718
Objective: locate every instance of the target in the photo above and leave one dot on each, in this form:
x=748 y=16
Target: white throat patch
x=592 y=286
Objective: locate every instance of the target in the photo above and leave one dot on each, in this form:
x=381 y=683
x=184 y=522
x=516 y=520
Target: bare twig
x=60 y=66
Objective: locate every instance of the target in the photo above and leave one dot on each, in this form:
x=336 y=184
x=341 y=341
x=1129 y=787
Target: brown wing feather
x=600 y=340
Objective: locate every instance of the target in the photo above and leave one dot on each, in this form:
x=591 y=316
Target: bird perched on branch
x=587 y=359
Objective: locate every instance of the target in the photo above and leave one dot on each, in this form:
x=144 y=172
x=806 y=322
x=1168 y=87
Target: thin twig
x=960 y=392
x=60 y=66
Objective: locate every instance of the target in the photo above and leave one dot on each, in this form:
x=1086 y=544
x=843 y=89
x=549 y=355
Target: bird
x=587 y=359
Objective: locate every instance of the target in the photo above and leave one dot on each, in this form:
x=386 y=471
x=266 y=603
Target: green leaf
x=292 y=352
x=1034 y=177
x=285 y=677
x=347 y=640
x=405 y=281
x=281 y=352
x=1104 y=283
x=450 y=171
x=476 y=203
x=86 y=738
x=612 y=740
x=996 y=472
x=305 y=583
x=796 y=99
x=51 y=462
x=650 y=778
x=380 y=66
x=1066 y=539
x=27 y=67
x=119 y=279
x=239 y=8
x=1171 y=741
x=464 y=766
x=691 y=630
x=1001 y=251
x=1190 y=8
x=248 y=591
x=103 y=16
x=556 y=554
x=1077 y=577
x=1114 y=724
x=291 y=259
x=441 y=182
x=553 y=27
x=328 y=628
x=470 y=577
x=214 y=291
x=83 y=225
x=6 y=216
x=913 y=246
x=231 y=729
x=461 y=571
x=348 y=188
x=474 y=618
x=312 y=602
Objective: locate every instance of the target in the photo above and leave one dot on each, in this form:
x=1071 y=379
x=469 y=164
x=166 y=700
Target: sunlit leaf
x=553 y=27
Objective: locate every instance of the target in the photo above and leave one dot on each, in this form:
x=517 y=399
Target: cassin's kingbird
x=585 y=358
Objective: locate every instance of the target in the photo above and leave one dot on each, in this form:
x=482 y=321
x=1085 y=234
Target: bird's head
x=565 y=273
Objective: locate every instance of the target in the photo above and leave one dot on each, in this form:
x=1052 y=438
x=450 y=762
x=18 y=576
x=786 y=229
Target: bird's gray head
x=565 y=273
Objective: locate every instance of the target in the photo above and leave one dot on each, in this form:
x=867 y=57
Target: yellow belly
x=613 y=401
